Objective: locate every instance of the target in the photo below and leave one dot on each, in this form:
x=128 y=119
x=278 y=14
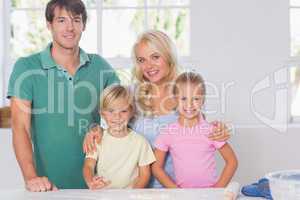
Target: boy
x=123 y=157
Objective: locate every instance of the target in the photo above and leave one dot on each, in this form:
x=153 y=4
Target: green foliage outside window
x=32 y=35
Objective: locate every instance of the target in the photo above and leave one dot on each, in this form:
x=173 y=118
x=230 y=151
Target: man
x=54 y=97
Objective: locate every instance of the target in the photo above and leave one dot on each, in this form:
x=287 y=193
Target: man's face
x=66 y=29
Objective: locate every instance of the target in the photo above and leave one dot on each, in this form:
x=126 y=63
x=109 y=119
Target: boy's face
x=189 y=100
x=117 y=114
x=66 y=29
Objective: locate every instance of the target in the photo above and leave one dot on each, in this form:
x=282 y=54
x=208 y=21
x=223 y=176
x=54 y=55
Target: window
x=112 y=26
x=295 y=54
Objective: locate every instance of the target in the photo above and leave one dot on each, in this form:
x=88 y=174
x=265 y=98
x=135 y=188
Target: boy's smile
x=117 y=116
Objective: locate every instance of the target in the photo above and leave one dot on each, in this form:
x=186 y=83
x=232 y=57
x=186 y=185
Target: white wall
x=261 y=150
x=10 y=173
x=1 y=51
x=244 y=42
x=241 y=42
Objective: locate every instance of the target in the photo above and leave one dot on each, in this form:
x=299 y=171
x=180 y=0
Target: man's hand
x=40 y=184
x=91 y=139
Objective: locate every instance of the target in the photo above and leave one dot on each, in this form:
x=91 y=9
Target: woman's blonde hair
x=114 y=92
x=192 y=78
x=162 y=43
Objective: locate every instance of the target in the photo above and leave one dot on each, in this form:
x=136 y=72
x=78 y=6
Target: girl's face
x=153 y=66
x=117 y=114
x=189 y=100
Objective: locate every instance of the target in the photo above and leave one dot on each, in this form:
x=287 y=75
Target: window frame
x=99 y=7
x=7 y=62
x=292 y=61
x=116 y=62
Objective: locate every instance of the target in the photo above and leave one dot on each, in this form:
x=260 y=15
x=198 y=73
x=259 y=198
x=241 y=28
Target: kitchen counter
x=138 y=194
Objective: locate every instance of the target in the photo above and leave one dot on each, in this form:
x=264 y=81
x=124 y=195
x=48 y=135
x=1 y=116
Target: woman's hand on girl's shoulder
x=220 y=132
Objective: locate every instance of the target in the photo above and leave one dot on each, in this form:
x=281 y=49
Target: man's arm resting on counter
x=21 y=125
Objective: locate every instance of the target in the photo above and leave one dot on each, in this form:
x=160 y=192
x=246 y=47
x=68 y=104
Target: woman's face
x=152 y=64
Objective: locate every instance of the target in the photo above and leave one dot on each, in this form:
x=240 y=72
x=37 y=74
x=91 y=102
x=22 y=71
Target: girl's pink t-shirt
x=193 y=154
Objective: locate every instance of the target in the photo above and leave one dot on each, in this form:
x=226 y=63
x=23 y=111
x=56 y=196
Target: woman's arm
x=231 y=164
x=143 y=178
x=158 y=169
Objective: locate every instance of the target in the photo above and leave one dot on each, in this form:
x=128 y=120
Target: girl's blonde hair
x=114 y=92
x=166 y=48
x=192 y=78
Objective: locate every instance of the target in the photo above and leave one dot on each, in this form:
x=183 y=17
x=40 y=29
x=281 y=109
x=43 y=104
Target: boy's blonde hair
x=164 y=46
x=114 y=92
x=192 y=78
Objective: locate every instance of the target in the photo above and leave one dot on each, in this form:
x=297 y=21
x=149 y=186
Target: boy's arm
x=231 y=164
x=88 y=170
x=143 y=178
x=158 y=169
x=92 y=181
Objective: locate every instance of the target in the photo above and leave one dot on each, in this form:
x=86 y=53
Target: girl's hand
x=220 y=132
x=98 y=183
x=91 y=139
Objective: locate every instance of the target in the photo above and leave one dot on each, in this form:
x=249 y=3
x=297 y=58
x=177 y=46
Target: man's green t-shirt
x=63 y=109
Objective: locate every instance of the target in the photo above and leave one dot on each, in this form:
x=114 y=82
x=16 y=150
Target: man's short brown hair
x=76 y=7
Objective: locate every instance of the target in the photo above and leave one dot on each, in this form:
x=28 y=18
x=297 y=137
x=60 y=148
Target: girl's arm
x=158 y=169
x=143 y=178
x=231 y=164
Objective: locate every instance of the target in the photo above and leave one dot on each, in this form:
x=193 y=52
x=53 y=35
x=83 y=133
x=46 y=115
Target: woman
x=155 y=70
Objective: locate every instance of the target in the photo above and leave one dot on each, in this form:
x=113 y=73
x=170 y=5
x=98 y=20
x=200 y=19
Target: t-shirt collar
x=48 y=62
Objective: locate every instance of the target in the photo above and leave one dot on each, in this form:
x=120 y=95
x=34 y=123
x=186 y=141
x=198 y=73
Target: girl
x=155 y=60
x=186 y=140
x=123 y=157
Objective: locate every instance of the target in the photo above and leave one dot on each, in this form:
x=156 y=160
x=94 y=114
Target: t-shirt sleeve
x=94 y=155
x=215 y=144
x=20 y=82
x=110 y=76
x=218 y=145
x=146 y=154
x=112 y=79
x=162 y=141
